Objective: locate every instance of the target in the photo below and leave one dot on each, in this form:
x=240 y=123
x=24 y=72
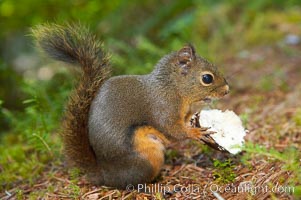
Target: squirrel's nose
x=226 y=89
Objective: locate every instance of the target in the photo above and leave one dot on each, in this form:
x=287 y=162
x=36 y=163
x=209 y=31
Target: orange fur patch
x=150 y=144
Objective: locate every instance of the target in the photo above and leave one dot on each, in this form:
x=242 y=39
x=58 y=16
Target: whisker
x=228 y=77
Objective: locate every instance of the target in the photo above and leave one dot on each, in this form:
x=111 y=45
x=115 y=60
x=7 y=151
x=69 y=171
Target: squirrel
x=116 y=128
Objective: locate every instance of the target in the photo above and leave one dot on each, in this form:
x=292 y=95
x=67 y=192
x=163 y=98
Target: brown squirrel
x=116 y=128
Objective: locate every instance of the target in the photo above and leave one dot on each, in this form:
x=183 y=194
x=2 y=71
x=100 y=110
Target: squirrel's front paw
x=197 y=133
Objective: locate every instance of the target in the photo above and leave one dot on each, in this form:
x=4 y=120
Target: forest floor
x=266 y=92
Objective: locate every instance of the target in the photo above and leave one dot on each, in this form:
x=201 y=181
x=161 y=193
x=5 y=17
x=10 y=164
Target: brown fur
x=74 y=44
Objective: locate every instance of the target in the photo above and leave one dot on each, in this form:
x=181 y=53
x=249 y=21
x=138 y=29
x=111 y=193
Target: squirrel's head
x=197 y=79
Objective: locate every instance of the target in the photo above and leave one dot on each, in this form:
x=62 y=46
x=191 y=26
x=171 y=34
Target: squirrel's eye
x=207 y=79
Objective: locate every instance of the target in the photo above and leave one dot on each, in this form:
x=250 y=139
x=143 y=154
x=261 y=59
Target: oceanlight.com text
x=244 y=187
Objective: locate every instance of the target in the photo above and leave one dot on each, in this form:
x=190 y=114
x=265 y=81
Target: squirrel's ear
x=185 y=56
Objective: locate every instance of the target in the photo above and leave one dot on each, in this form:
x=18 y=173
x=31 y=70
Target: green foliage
x=244 y=118
x=297 y=117
x=170 y=154
x=74 y=191
x=35 y=130
x=224 y=171
x=19 y=195
x=135 y=61
x=165 y=24
x=297 y=193
x=74 y=174
x=10 y=93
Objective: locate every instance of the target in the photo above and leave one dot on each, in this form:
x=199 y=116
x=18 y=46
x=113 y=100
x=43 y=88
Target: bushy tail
x=74 y=44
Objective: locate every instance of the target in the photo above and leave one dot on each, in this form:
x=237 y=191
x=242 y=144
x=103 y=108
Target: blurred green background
x=33 y=90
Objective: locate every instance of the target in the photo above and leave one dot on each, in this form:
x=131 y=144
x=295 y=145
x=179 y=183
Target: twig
x=176 y=172
x=91 y=192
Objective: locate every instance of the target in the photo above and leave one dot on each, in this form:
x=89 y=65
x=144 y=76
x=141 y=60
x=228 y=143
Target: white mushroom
x=228 y=127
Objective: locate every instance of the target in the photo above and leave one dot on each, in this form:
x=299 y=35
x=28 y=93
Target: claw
x=205 y=128
x=198 y=133
x=209 y=132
